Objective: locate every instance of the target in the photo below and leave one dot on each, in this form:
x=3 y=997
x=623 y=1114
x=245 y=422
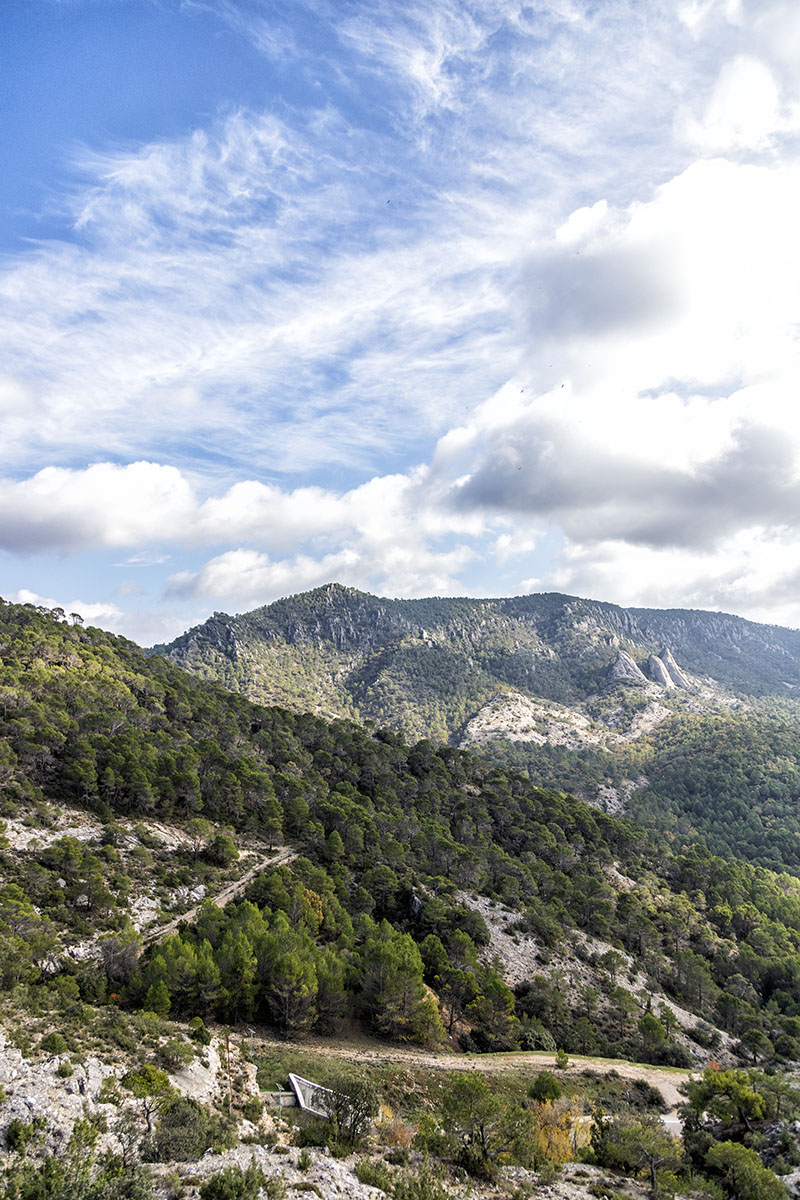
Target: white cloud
x=754 y=573
x=744 y=111
x=247 y=578
x=103 y=505
x=559 y=238
x=106 y=615
x=248 y=287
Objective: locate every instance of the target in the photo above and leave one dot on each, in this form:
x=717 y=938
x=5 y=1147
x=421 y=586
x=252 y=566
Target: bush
x=252 y=1109
x=174 y=1054
x=422 y=1186
x=548 y=1172
x=353 y=1108
x=198 y=1032
x=397 y=1133
x=221 y=852
x=20 y=1134
x=373 y=1174
x=312 y=1133
x=545 y=1087
x=430 y=1137
x=184 y=1132
x=235 y=1184
x=53 y=1043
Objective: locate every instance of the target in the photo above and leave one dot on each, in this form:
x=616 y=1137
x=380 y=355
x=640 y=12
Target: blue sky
x=454 y=298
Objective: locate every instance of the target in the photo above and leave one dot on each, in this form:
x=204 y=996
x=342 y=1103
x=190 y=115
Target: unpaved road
x=364 y=1051
x=276 y=858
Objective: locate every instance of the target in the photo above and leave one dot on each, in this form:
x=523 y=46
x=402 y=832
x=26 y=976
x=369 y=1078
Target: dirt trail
x=365 y=1052
x=276 y=858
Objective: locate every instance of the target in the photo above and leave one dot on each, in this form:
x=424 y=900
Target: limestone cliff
x=658 y=672
x=625 y=670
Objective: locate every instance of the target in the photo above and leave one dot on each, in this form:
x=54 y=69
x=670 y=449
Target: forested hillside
x=392 y=838
x=348 y=648
x=633 y=949
x=571 y=693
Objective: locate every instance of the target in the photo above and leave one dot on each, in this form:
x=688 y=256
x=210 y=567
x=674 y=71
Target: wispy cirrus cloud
x=311 y=278
x=283 y=341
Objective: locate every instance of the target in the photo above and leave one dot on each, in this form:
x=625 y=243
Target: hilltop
x=687 y=720
x=356 y=654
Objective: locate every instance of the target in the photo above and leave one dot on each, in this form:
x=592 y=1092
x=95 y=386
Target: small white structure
x=312 y=1097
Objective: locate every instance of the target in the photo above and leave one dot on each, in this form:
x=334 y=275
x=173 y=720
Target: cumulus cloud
x=247 y=578
x=753 y=573
x=568 y=291
x=103 y=505
x=144 y=625
x=595 y=494
x=744 y=111
x=106 y=615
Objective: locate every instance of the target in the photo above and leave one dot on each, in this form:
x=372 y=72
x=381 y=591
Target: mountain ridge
x=644 y=710
x=735 y=652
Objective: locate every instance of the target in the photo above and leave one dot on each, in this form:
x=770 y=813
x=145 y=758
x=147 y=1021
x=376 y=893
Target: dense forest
x=391 y=836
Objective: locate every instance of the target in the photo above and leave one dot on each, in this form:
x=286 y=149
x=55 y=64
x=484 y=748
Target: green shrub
x=548 y=1172
x=430 y=1137
x=221 y=852
x=235 y=1184
x=545 y=1087
x=354 y=1106
x=20 y=1134
x=422 y=1186
x=53 y=1043
x=373 y=1174
x=312 y=1133
x=183 y=1133
x=198 y=1032
x=303 y=1160
x=252 y=1109
x=174 y=1054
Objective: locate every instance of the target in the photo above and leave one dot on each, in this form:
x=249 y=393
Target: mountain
x=427 y=896
x=345 y=652
x=688 y=720
x=394 y=840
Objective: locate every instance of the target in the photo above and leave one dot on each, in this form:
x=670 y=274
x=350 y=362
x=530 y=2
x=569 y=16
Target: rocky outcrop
x=625 y=670
x=521 y=719
x=35 y=1089
x=675 y=673
x=658 y=672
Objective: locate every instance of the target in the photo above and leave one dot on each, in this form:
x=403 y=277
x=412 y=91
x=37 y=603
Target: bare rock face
x=626 y=670
x=34 y=1089
x=675 y=673
x=658 y=672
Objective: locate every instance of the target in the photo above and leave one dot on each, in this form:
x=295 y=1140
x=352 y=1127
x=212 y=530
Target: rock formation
x=675 y=673
x=626 y=670
x=658 y=672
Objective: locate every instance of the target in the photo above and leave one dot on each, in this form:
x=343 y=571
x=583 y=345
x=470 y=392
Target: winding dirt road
x=276 y=858
x=365 y=1052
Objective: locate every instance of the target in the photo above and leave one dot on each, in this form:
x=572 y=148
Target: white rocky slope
x=520 y=956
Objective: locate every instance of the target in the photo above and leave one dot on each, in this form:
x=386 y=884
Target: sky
x=443 y=298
